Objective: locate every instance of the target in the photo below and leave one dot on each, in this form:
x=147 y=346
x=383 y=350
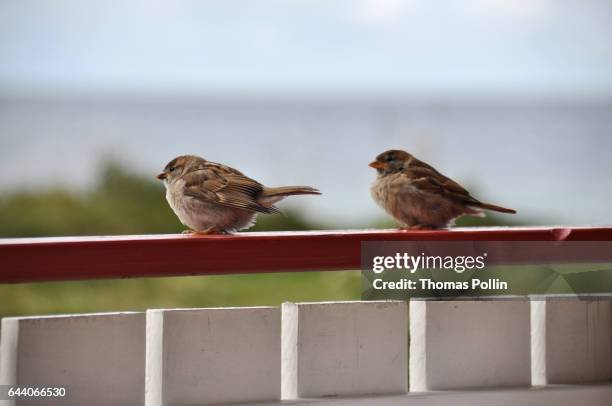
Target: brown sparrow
x=212 y=198
x=420 y=197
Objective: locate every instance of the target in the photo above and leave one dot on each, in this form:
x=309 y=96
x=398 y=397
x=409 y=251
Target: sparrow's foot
x=209 y=231
x=418 y=227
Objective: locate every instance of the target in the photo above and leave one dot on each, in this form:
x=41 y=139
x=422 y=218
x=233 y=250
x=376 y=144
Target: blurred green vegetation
x=123 y=202
x=149 y=293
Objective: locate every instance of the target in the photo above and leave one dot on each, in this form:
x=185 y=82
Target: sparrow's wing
x=221 y=184
x=427 y=178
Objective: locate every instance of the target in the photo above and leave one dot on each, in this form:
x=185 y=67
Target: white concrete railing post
x=212 y=356
x=538 y=341
x=344 y=349
x=466 y=344
x=571 y=340
x=98 y=357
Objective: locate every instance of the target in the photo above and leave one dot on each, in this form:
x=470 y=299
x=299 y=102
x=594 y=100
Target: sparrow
x=420 y=197
x=212 y=198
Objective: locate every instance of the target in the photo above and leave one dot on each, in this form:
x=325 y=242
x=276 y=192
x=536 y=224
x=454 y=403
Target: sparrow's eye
x=172 y=168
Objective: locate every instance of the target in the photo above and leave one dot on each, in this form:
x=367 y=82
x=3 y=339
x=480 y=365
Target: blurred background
x=511 y=98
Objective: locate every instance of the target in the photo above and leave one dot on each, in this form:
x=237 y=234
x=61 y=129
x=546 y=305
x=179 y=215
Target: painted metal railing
x=79 y=258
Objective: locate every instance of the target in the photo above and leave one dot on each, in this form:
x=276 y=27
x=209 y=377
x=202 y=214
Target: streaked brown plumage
x=212 y=198
x=420 y=197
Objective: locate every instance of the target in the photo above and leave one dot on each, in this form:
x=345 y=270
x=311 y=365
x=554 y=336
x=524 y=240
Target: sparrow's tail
x=495 y=208
x=290 y=190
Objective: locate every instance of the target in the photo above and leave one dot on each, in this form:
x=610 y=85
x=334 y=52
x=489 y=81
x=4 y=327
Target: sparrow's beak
x=376 y=165
x=162 y=176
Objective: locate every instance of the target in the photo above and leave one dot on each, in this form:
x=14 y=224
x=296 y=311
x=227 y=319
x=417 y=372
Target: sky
x=469 y=47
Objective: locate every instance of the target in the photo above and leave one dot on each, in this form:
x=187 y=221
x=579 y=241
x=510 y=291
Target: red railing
x=78 y=258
